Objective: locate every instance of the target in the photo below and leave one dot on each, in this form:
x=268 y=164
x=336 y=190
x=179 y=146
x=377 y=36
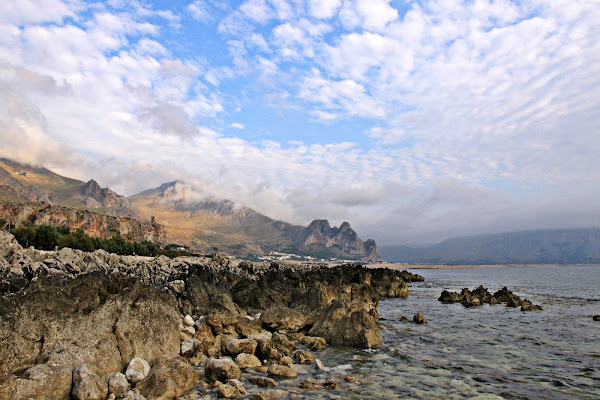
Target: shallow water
x=489 y=352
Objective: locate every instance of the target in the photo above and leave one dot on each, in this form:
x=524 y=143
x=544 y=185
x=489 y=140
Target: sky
x=414 y=121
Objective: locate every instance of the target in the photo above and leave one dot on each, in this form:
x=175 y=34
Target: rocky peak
x=92 y=189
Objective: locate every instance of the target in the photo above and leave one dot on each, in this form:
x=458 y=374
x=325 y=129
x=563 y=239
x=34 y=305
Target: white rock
x=188 y=320
x=137 y=370
x=87 y=385
x=319 y=364
x=178 y=286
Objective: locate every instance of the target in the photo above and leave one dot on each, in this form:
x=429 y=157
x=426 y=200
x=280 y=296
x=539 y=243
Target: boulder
x=137 y=370
x=118 y=384
x=262 y=381
x=237 y=346
x=282 y=371
x=221 y=369
x=596 y=317
x=189 y=346
x=304 y=357
x=284 y=319
x=269 y=394
x=170 y=377
x=314 y=343
x=419 y=319
x=245 y=360
x=87 y=385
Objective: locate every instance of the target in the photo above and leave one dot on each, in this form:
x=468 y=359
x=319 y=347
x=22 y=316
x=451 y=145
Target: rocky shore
x=97 y=325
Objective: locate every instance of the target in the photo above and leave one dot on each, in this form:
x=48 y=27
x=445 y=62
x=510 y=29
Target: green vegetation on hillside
x=47 y=237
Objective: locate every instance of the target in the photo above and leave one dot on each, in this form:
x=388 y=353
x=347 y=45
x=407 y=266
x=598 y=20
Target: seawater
x=488 y=352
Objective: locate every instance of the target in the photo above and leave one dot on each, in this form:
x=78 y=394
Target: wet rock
x=118 y=384
x=513 y=301
x=286 y=361
x=262 y=381
x=233 y=388
x=137 y=369
x=87 y=385
x=450 y=297
x=245 y=360
x=527 y=305
x=269 y=394
x=281 y=371
x=169 y=378
x=304 y=357
x=221 y=369
x=314 y=343
x=330 y=384
x=283 y=344
x=319 y=364
x=309 y=384
x=351 y=379
x=596 y=317
x=404 y=318
x=419 y=319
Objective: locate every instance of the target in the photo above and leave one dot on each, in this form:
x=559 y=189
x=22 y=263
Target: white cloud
x=237 y=125
x=199 y=10
x=258 y=10
x=324 y=8
x=21 y=12
x=371 y=15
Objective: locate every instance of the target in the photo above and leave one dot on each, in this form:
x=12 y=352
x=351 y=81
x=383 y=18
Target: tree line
x=49 y=237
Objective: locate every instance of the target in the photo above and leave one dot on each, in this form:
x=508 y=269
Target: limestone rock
x=304 y=357
x=314 y=343
x=170 y=377
x=262 y=381
x=118 y=384
x=137 y=369
x=221 y=369
x=245 y=360
x=233 y=388
x=419 y=319
x=319 y=364
x=87 y=385
x=284 y=319
x=189 y=346
x=237 y=346
x=189 y=321
x=269 y=394
x=282 y=371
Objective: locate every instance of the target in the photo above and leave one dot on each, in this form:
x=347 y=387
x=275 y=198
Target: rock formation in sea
x=72 y=322
x=480 y=296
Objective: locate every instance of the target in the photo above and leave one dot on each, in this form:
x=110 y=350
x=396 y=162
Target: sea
x=487 y=352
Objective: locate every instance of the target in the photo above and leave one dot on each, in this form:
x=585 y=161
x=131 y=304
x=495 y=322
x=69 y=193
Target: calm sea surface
x=489 y=352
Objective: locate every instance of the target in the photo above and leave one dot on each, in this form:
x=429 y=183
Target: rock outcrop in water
x=93 y=224
x=480 y=296
x=61 y=310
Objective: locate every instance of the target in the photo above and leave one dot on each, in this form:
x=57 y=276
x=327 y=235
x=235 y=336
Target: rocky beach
x=97 y=325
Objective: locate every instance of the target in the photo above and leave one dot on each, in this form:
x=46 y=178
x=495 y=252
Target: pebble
x=262 y=381
x=319 y=364
x=188 y=320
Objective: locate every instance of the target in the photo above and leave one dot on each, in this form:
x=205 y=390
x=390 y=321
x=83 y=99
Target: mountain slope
x=203 y=222
x=37 y=184
x=552 y=246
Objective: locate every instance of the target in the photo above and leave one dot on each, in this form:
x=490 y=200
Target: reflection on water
x=489 y=352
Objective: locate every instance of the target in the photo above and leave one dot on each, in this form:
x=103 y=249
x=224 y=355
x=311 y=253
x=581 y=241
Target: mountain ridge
x=540 y=246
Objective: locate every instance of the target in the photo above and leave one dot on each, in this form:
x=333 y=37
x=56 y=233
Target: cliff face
x=95 y=197
x=12 y=188
x=93 y=224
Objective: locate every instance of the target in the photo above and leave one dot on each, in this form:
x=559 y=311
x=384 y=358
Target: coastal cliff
x=93 y=224
x=68 y=311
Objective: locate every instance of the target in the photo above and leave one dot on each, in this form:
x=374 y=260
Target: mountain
x=550 y=246
x=203 y=222
x=22 y=182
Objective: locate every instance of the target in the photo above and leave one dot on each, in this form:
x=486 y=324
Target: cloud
x=258 y=10
x=199 y=10
x=371 y=15
x=323 y=8
x=237 y=125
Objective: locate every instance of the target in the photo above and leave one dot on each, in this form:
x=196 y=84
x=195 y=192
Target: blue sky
x=413 y=120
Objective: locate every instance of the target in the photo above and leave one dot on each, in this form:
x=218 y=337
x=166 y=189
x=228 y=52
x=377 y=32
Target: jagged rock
x=227 y=391
x=481 y=296
x=309 y=384
x=133 y=395
x=262 y=381
x=450 y=297
x=189 y=346
x=169 y=378
x=269 y=394
x=283 y=344
x=137 y=369
x=87 y=385
x=284 y=319
x=221 y=369
x=265 y=350
x=527 y=305
x=287 y=361
x=419 y=319
x=118 y=384
x=304 y=357
x=281 y=371
x=596 y=317
x=244 y=360
x=330 y=384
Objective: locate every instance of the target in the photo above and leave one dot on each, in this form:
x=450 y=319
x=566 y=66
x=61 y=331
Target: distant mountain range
x=190 y=218
x=549 y=246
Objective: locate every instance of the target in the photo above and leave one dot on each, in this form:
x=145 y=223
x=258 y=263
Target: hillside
x=556 y=246
x=202 y=222
x=37 y=184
